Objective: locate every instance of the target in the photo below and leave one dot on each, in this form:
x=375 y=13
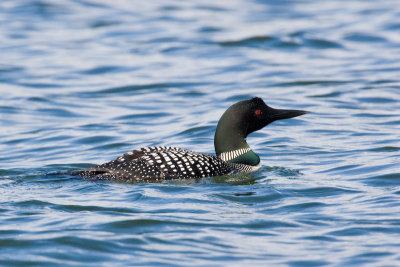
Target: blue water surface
x=84 y=81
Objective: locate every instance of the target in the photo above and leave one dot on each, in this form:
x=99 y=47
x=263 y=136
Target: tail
x=91 y=173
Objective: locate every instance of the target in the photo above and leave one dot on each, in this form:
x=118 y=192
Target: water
x=83 y=81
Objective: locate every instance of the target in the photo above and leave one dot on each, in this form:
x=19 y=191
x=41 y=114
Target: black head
x=258 y=115
x=245 y=117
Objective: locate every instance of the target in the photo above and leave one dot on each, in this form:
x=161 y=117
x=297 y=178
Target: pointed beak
x=280 y=114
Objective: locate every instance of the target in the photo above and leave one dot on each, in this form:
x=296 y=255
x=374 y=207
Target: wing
x=130 y=167
x=158 y=163
x=176 y=163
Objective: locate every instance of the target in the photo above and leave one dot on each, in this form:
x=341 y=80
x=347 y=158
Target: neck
x=241 y=155
x=230 y=142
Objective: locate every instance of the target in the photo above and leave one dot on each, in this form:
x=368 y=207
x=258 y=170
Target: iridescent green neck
x=230 y=136
x=242 y=155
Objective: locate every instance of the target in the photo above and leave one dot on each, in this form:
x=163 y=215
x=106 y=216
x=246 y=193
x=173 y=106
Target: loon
x=233 y=154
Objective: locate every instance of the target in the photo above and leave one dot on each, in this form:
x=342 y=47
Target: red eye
x=257 y=112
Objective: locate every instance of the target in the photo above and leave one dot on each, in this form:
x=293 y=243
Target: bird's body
x=153 y=164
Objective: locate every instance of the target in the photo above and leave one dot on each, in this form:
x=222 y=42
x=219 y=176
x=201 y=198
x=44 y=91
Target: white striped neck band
x=225 y=156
